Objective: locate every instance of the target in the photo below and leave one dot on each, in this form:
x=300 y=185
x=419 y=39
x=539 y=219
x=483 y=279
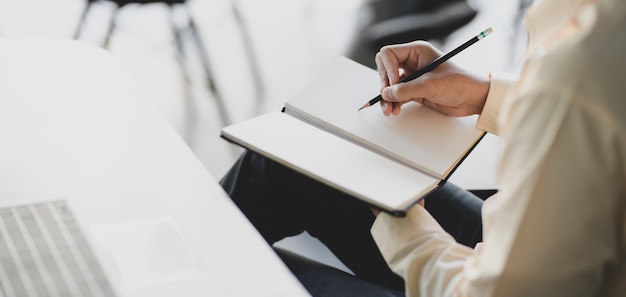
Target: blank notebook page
x=419 y=136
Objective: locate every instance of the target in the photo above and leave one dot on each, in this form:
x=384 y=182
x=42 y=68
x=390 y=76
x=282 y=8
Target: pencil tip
x=364 y=106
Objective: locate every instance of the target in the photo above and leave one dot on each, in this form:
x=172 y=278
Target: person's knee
x=458 y=212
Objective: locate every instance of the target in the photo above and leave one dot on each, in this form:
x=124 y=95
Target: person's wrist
x=481 y=90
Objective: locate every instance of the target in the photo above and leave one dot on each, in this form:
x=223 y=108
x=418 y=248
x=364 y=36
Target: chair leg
x=81 y=21
x=177 y=33
x=255 y=70
x=207 y=69
x=110 y=29
x=191 y=115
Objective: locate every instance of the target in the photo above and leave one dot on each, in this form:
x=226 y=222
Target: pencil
x=435 y=63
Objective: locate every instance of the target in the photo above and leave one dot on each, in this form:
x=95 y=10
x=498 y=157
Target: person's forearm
x=420 y=251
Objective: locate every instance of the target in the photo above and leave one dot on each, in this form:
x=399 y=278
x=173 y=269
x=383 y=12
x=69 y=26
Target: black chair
x=400 y=21
x=178 y=33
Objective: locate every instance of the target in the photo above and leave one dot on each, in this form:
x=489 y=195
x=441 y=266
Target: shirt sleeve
x=499 y=87
x=553 y=228
x=419 y=250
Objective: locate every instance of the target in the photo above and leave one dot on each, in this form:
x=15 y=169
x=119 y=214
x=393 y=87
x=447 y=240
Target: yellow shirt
x=557 y=227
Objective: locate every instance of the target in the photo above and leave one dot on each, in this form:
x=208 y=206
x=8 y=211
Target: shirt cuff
x=391 y=234
x=499 y=87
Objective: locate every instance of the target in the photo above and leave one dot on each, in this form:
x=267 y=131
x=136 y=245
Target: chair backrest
x=121 y=3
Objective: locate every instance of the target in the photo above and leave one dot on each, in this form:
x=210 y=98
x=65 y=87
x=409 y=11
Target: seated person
x=557 y=226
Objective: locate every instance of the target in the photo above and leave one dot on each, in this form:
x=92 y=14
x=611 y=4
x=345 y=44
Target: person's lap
x=280 y=202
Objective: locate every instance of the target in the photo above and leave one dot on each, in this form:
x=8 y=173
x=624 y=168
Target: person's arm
x=421 y=252
x=553 y=228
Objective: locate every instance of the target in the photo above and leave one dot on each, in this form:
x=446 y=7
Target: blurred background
x=208 y=63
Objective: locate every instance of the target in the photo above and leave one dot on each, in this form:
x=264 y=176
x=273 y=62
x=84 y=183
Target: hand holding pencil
x=447 y=88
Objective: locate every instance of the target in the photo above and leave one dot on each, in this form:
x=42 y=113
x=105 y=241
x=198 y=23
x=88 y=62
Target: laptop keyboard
x=44 y=253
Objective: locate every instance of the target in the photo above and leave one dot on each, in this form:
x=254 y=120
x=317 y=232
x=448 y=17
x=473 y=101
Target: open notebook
x=390 y=162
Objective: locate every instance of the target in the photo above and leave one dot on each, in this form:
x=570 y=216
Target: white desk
x=73 y=126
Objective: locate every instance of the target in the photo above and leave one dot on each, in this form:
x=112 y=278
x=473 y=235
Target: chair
x=400 y=21
x=213 y=88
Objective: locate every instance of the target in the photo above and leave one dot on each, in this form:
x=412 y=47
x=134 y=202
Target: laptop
x=92 y=246
x=44 y=253
x=165 y=230
x=126 y=242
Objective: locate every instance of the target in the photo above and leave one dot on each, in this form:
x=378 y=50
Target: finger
x=391 y=63
x=397 y=106
x=387 y=94
x=422 y=87
x=382 y=72
x=403 y=92
x=386 y=107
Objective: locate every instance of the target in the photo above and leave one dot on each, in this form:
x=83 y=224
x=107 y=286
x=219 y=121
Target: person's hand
x=448 y=88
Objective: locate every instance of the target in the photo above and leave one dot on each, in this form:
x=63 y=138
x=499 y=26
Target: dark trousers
x=281 y=202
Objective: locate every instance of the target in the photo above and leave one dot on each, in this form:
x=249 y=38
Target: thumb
x=389 y=93
x=401 y=92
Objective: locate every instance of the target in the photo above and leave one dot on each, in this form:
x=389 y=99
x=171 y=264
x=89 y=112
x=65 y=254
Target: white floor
x=288 y=41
